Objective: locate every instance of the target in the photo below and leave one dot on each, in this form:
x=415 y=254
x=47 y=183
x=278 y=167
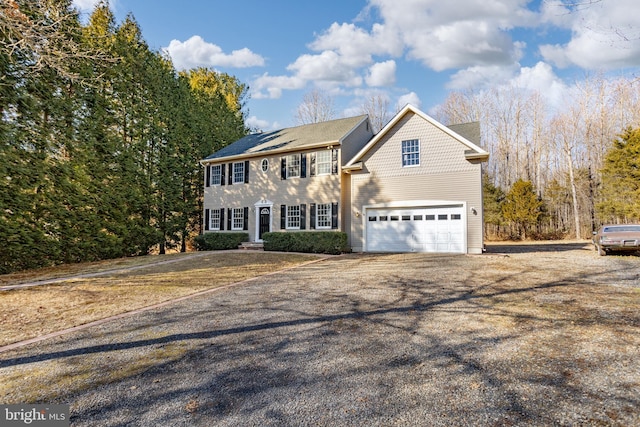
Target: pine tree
x=522 y=207
x=620 y=192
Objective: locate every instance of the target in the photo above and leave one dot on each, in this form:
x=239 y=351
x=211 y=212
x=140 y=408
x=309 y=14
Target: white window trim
x=218 y=175
x=241 y=180
x=216 y=213
x=328 y=162
x=290 y=217
x=413 y=152
x=289 y=165
x=327 y=216
x=237 y=214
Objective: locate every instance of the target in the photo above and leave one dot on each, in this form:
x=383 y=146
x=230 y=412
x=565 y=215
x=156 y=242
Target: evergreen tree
x=522 y=207
x=620 y=192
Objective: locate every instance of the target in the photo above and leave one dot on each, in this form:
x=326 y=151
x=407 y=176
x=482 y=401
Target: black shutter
x=229 y=218
x=222 y=174
x=246 y=171
x=208 y=176
x=334 y=162
x=303 y=165
x=303 y=216
x=245 y=226
x=222 y=218
x=230 y=174
x=206 y=219
x=283 y=217
x=312 y=221
x=334 y=215
x=283 y=168
x=312 y=164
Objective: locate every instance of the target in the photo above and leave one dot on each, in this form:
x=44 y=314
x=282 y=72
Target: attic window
x=264 y=165
x=411 y=153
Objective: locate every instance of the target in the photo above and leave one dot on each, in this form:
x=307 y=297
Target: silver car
x=612 y=238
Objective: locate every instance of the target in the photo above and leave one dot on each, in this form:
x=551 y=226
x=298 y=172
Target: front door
x=265 y=221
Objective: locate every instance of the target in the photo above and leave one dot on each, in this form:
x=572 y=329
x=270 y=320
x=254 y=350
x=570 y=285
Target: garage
x=416 y=229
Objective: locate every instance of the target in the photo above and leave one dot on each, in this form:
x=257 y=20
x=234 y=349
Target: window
x=264 y=165
x=373 y=218
x=293 y=217
x=214 y=219
x=293 y=166
x=430 y=217
x=443 y=217
x=411 y=153
x=238 y=172
x=417 y=217
x=406 y=217
x=323 y=215
x=237 y=219
x=323 y=162
x=456 y=216
x=216 y=175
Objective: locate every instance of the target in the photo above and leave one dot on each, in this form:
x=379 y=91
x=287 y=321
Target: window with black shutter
x=303 y=216
x=312 y=219
x=283 y=217
x=334 y=216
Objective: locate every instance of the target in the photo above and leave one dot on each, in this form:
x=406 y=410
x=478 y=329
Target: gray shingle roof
x=470 y=131
x=292 y=138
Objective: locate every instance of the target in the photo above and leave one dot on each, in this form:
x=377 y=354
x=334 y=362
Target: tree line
x=100 y=137
x=556 y=171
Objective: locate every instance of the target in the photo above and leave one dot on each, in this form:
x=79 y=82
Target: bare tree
x=316 y=107
x=377 y=108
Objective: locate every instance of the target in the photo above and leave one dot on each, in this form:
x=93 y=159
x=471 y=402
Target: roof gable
x=470 y=130
x=290 y=139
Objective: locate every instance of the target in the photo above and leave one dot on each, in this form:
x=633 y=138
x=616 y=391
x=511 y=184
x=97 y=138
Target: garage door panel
x=426 y=229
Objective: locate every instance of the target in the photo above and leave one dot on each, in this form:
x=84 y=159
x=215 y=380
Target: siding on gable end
x=439 y=153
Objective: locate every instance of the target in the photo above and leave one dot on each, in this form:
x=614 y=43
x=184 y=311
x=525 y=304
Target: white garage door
x=435 y=229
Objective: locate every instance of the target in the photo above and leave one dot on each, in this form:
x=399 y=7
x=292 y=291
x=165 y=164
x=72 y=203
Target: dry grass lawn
x=38 y=310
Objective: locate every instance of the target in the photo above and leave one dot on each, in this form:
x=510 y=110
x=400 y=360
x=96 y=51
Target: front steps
x=251 y=246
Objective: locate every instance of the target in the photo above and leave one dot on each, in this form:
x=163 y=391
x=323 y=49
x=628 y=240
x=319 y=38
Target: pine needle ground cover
x=38 y=310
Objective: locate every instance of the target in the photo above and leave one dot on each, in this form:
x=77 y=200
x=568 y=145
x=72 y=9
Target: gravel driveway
x=536 y=336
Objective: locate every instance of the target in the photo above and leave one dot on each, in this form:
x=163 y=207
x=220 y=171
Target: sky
x=406 y=51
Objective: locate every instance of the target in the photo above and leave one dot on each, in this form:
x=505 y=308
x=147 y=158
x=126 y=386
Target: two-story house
x=415 y=186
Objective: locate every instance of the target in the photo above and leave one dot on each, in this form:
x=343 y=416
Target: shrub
x=219 y=241
x=319 y=242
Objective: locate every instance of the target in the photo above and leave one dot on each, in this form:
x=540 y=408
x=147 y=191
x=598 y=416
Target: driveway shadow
x=535 y=247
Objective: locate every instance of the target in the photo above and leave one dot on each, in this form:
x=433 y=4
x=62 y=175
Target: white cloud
x=328 y=66
x=604 y=35
x=195 y=52
x=86 y=5
x=409 y=98
x=382 y=74
x=356 y=45
x=450 y=35
x=271 y=87
x=481 y=76
x=261 y=125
